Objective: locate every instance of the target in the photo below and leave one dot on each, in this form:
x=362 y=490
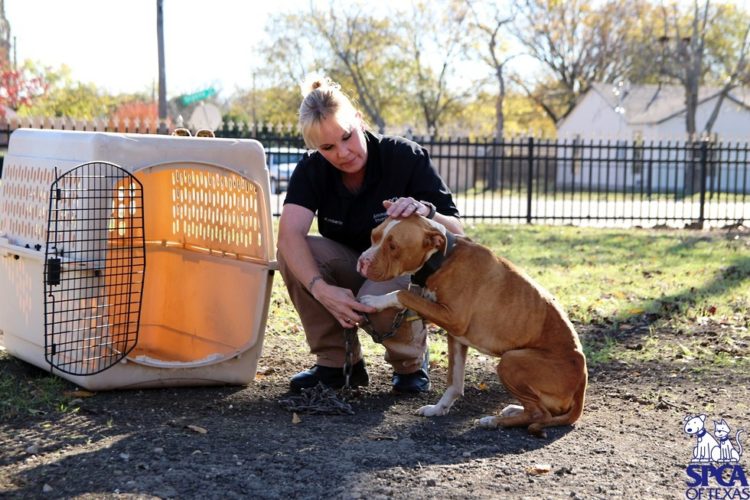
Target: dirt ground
x=238 y=442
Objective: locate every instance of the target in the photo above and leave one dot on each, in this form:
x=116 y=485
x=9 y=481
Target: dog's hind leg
x=550 y=390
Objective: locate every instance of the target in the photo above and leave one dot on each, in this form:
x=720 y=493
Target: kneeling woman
x=352 y=181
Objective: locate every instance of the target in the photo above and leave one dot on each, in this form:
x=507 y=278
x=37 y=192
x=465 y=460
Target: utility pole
x=162 y=72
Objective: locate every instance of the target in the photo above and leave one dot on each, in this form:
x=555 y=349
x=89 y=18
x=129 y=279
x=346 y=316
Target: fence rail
x=608 y=183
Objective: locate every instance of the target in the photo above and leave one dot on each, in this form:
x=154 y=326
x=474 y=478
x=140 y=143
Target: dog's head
x=400 y=247
x=694 y=424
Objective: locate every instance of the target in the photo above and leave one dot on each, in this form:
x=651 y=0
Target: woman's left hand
x=404 y=207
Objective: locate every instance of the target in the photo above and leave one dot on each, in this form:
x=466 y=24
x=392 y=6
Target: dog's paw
x=380 y=302
x=511 y=411
x=433 y=411
x=487 y=422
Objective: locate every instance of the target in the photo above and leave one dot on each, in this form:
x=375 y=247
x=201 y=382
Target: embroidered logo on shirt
x=378 y=218
x=333 y=221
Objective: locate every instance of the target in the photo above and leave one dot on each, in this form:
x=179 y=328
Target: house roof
x=649 y=104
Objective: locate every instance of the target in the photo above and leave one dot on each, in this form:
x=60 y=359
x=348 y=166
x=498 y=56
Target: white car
x=281 y=161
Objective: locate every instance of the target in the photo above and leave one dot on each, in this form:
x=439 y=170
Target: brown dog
x=484 y=302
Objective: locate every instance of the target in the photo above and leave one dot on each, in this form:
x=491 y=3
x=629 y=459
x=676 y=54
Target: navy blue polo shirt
x=396 y=167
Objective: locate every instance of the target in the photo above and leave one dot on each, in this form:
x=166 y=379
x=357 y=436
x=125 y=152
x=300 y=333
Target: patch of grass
x=27 y=391
x=617 y=279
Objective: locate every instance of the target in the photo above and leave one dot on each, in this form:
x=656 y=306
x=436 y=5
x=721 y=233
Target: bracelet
x=312 y=282
x=432 y=208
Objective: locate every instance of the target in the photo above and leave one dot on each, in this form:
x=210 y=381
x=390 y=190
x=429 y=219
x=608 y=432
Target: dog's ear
x=687 y=417
x=434 y=239
x=702 y=417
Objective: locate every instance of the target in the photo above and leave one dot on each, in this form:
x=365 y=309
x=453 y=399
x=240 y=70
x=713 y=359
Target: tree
x=708 y=44
x=20 y=88
x=577 y=42
x=136 y=110
x=366 y=53
x=276 y=105
x=435 y=37
x=488 y=25
x=69 y=98
x=359 y=50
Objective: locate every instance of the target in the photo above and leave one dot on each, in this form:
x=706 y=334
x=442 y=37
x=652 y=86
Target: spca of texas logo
x=714 y=471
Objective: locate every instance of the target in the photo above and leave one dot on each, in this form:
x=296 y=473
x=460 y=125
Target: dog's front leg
x=381 y=302
x=456 y=373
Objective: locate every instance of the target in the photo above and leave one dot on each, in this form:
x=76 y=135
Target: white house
x=636 y=137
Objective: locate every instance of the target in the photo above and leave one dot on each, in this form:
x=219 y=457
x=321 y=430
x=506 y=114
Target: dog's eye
x=391 y=245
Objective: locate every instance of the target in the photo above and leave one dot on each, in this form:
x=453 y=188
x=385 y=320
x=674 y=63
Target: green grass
x=25 y=391
x=614 y=275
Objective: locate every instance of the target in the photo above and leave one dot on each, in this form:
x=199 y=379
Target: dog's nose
x=362 y=264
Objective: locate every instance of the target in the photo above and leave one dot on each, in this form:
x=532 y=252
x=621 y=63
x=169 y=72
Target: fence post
x=704 y=168
x=530 y=181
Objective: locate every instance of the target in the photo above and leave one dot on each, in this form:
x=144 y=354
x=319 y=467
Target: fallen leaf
x=381 y=437
x=295 y=418
x=712 y=310
x=80 y=393
x=539 y=469
x=195 y=428
x=482 y=386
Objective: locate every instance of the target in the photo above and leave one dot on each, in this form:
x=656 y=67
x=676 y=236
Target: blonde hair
x=322 y=98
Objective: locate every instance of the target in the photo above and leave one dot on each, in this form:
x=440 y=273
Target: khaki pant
x=338 y=266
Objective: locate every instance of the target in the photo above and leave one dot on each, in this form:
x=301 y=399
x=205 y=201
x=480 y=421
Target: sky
x=112 y=43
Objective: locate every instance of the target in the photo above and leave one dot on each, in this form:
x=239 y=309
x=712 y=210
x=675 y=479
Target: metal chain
x=378 y=337
x=323 y=400
x=318 y=400
x=349 y=335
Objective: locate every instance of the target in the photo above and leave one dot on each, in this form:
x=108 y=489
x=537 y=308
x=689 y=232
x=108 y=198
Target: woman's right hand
x=341 y=303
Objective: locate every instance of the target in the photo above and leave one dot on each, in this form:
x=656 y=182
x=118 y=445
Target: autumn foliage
x=19 y=88
x=136 y=111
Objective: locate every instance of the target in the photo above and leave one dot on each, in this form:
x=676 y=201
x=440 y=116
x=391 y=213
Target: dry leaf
x=80 y=393
x=539 y=469
x=382 y=437
x=295 y=418
x=482 y=386
x=195 y=428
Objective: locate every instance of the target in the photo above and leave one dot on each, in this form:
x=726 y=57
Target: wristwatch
x=432 y=208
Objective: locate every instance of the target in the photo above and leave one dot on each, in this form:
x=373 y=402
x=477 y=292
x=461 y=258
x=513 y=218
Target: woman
x=352 y=182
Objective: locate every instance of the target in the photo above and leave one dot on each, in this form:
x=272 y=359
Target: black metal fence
x=588 y=182
x=675 y=183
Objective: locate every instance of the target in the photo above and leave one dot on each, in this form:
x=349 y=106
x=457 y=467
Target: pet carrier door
x=94 y=268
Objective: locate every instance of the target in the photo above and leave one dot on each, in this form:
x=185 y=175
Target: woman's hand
x=341 y=303
x=404 y=207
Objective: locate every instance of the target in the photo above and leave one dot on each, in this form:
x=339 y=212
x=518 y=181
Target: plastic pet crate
x=133 y=260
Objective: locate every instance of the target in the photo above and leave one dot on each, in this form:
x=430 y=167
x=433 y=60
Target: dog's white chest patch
x=429 y=294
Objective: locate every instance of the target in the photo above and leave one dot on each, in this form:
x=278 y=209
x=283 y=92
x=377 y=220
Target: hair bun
x=317 y=81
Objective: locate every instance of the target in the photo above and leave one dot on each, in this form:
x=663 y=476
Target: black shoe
x=332 y=377
x=415 y=382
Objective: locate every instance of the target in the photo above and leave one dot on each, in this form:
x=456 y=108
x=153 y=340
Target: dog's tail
x=737 y=438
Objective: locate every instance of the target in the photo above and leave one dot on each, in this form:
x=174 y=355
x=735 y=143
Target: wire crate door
x=94 y=269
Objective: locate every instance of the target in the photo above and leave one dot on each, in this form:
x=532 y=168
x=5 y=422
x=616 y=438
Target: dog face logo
x=715 y=461
x=712 y=448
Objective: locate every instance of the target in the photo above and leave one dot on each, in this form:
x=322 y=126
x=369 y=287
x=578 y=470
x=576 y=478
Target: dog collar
x=435 y=261
x=701 y=433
